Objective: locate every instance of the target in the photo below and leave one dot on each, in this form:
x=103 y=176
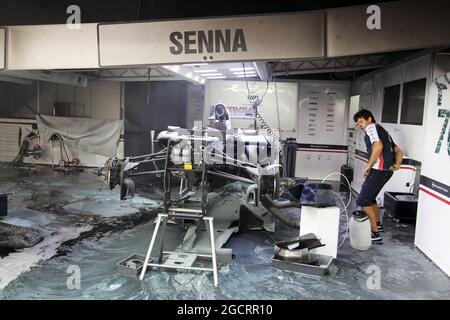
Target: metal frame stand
x=184 y=214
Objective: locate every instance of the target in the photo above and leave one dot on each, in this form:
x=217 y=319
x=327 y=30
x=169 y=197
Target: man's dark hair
x=363 y=113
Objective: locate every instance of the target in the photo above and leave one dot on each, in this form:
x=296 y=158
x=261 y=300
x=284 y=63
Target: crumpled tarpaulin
x=95 y=136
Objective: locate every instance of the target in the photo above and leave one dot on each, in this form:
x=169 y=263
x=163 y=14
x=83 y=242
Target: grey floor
x=88 y=229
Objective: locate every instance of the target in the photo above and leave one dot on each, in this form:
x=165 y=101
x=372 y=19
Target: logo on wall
x=211 y=41
x=443 y=113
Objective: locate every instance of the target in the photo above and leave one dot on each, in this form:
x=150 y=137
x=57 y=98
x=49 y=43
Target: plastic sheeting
x=96 y=136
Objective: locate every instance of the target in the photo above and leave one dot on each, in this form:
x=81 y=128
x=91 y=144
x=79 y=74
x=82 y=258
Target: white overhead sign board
x=46 y=47
x=402 y=26
x=2 y=48
x=282 y=36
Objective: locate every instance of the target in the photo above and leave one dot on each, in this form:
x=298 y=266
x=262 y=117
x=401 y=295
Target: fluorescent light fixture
x=174 y=68
x=212 y=74
x=194 y=64
x=184 y=73
x=218 y=77
x=205 y=71
x=244 y=73
x=242 y=69
x=248 y=76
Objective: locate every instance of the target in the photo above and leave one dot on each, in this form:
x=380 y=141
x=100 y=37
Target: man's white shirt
x=371 y=131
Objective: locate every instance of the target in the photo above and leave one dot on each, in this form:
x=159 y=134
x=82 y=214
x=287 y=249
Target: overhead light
x=184 y=73
x=242 y=69
x=194 y=64
x=174 y=68
x=218 y=77
x=206 y=70
x=212 y=74
x=244 y=73
x=248 y=76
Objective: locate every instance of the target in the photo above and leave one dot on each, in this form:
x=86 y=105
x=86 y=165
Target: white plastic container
x=360 y=235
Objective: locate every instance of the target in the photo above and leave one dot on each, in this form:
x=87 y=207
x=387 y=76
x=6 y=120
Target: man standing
x=385 y=157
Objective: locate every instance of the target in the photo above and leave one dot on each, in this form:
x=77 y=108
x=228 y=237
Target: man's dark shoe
x=376 y=238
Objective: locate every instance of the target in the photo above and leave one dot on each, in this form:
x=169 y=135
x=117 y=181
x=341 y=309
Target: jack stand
x=181 y=260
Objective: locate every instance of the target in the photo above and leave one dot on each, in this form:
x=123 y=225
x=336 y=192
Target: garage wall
x=14 y=97
x=99 y=100
x=152 y=107
x=234 y=94
x=420 y=143
x=322 y=122
x=433 y=216
x=410 y=138
x=313 y=112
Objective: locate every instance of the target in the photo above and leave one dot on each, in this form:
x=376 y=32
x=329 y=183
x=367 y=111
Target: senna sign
x=280 y=36
x=211 y=41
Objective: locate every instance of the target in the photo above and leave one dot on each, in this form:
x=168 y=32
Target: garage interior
x=91 y=186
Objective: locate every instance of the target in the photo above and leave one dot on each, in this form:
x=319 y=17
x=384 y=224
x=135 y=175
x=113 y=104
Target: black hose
x=267 y=202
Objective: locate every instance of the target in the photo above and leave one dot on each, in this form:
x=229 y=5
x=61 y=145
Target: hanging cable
x=263 y=124
x=282 y=145
x=277 y=108
x=348 y=183
x=345 y=205
x=246 y=83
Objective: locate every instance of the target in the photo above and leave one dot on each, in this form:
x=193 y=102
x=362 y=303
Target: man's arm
x=398 y=155
x=377 y=147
